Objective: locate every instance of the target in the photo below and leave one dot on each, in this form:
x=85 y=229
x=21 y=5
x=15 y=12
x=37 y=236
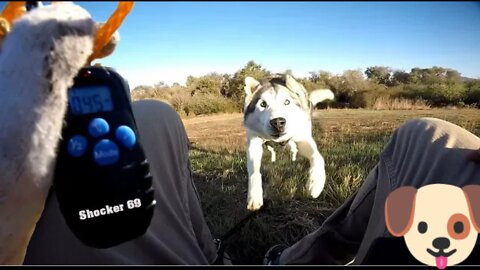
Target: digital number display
x=89 y=99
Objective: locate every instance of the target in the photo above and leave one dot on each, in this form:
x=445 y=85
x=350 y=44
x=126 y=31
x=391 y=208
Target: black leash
x=238 y=227
x=220 y=242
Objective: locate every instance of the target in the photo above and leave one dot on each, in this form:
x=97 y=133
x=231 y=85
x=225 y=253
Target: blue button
x=126 y=136
x=105 y=152
x=98 y=127
x=77 y=145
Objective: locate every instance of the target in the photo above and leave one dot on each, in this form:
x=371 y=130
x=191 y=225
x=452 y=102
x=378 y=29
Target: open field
x=350 y=142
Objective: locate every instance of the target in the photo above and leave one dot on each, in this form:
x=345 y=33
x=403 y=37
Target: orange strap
x=104 y=34
x=11 y=12
x=14 y=9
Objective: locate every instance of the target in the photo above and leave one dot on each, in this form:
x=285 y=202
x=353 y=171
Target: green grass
x=350 y=142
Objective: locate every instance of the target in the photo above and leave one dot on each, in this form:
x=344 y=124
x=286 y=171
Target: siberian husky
x=279 y=111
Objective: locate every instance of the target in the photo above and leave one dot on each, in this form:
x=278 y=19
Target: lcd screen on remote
x=89 y=99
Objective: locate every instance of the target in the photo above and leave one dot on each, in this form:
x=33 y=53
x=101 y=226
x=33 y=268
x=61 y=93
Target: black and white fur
x=279 y=110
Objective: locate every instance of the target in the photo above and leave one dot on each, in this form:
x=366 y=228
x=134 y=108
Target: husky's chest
x=274 y=144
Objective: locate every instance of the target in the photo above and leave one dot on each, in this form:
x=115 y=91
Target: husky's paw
x=294 y=156
x=316 y=182
x=255 y=201
x=254 y=204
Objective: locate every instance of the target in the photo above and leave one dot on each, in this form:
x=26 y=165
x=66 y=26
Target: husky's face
x=274 y=111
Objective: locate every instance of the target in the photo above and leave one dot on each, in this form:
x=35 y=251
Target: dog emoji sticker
x=439 y=222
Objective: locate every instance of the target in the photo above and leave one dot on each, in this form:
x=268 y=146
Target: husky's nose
x=278 y=124
x=441 y=243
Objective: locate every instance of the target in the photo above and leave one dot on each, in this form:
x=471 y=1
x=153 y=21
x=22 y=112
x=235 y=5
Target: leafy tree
x=320 y=78
x=416 y=75
x=226 y=84
x=237 y=82
x=190 y=81
x=207 y=84
x=400 y=77
x=160 y=84
x=453 y=76
x=472 y=92
x=434 y=75
x=345 y=86
x=379 y=74
x=142 y=88
x=353 y=80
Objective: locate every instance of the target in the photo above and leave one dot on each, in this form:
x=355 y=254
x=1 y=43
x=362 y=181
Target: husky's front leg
x=272 y=152
x=254 y=160
x=316 y=181
x=293 y=149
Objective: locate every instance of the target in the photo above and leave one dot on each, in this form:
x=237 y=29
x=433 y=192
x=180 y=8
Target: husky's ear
x=293 y=85
x=299 y=90
x=250 y=85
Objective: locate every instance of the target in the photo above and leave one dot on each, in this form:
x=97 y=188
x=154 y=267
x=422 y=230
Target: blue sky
x=167 y=41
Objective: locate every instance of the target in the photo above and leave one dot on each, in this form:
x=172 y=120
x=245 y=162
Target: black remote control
x=102 y=178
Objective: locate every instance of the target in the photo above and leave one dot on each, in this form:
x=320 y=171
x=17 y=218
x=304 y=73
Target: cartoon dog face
x=440 y=223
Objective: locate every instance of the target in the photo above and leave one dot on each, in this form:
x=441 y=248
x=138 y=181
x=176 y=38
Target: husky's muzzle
x=278 y=126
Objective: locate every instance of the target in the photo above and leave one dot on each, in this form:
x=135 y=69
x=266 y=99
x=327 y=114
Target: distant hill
x=467 y=79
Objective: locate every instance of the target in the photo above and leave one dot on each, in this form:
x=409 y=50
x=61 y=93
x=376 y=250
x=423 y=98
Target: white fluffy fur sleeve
x=38 y=61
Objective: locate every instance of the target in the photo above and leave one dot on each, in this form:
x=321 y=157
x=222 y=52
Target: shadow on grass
x=221 y=180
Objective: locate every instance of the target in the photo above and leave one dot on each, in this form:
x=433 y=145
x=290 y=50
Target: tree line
x=214 y=92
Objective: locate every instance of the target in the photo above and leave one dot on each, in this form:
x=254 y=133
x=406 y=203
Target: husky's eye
x=286 y=102
x=263 y=104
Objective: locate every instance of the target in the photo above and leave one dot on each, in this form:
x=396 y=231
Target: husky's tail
x=320 y=95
